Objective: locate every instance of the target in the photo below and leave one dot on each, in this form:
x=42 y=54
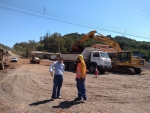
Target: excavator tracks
x=126 y=70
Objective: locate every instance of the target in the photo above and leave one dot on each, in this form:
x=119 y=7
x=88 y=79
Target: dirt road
x=27 y=88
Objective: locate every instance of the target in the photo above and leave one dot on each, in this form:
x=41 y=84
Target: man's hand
x=52 y=74
x=83 y=77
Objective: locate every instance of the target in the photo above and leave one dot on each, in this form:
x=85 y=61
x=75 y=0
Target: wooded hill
x=4 y=47
x=57 y=43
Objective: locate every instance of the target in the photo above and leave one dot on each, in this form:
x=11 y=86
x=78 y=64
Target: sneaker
x=84 y=101
x=77 y=99
x=59 y=97
x=52 y=99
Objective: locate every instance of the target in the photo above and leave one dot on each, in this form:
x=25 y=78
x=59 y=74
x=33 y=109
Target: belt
x=58 y=75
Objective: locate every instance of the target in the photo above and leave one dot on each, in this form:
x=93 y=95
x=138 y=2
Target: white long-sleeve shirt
x=59 y=68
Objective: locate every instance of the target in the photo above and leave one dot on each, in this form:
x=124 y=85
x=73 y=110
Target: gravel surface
x=27 y=88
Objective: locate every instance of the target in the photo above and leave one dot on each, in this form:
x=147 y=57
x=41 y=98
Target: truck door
x=95 y=57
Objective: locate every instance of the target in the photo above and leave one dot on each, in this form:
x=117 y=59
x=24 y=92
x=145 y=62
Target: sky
x=24 y=20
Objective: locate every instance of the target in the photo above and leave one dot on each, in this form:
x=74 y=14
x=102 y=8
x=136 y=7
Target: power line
x=35 y=12
x=138 y=6
x=63 y=16
x=126 y=8
x=55 y=14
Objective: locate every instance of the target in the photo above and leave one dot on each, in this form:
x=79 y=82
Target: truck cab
x=99 y=60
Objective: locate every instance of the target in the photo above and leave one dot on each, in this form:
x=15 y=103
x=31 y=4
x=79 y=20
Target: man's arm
x=83 y=66
x=64 y=68
x=51 y=69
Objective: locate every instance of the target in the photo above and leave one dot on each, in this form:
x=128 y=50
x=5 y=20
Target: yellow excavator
x=1 y=58
x=123 y=62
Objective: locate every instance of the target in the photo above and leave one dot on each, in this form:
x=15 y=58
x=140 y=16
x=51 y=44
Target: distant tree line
x=5 y=47
x=57 y=43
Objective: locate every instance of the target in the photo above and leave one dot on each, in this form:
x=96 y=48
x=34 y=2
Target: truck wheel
x=1 y=65
x=137 y=70
x=92 y=68
x=102 y=71
x=66 y=66
x=71 y=66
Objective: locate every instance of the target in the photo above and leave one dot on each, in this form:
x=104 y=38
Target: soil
x=27 y=88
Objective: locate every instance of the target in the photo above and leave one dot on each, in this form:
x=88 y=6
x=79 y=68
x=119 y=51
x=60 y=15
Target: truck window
x=95 y=54
x=105 y=55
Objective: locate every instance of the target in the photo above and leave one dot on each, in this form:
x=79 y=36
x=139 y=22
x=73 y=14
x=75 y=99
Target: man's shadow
x=40 y=102
x=67 y=104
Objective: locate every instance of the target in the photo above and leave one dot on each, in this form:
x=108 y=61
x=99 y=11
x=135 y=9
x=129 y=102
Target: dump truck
x=123 y=62
x=93 y=59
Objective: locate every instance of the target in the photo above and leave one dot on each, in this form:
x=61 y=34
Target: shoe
x=78 y=99
x=59 y=97
x=52 y=99
x=84 y=101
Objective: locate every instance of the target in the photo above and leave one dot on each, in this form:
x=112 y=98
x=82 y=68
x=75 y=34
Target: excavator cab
x=124 y=56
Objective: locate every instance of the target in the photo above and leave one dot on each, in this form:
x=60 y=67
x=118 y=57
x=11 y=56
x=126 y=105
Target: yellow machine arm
x=76 y=47
x=108 y=41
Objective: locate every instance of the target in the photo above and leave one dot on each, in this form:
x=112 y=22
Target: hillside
x=4 y=47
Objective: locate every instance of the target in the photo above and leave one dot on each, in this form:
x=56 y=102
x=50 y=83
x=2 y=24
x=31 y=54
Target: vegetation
x=57 y=43
x=5 y=47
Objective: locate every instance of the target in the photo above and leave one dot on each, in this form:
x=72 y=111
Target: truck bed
x=69 y=57
x=73 y=57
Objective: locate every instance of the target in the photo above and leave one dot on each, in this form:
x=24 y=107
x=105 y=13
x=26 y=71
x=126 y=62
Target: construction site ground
x=27 y=88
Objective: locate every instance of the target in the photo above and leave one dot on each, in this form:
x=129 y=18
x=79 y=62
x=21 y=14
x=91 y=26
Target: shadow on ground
x=67 y=104
x=40 y=102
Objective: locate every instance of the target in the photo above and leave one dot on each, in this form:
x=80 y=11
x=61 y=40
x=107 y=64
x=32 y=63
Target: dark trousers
x=58 y=80
x=81 y=88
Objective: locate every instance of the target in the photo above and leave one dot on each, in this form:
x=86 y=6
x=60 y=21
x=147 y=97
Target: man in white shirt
x=58 y=77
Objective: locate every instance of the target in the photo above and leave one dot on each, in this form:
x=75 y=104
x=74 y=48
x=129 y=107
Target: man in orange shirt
x=80 y=79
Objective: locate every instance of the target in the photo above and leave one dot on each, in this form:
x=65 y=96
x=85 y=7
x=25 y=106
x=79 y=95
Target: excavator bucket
x=77 y=48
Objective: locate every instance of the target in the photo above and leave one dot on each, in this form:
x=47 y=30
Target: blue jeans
x=58 y=80
x=81 y=88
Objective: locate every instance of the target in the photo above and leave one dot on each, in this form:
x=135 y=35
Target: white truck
x=53 y=57
x=93 y=58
